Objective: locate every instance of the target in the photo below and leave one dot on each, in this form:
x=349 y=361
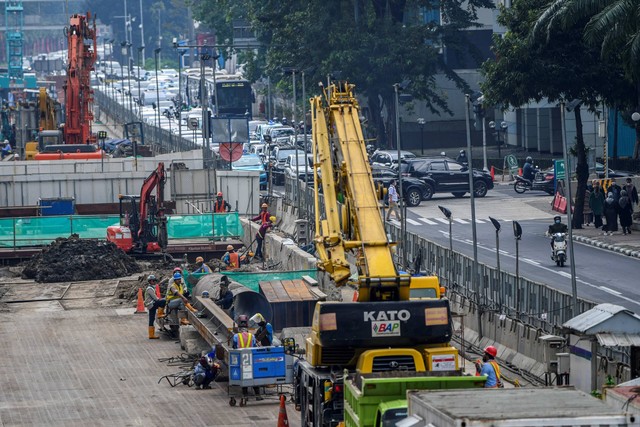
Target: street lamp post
x=126 y=46
x=517 y=234
x=142 y=33
x=293 y=71
x=447 y=213
x=156 y=53
x=496 y=224
x=306 y=160
x=140 y=50
x=497 y=131
x=397 y=87
x=421 y=122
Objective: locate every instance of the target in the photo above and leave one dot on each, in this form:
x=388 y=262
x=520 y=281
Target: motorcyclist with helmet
x=529 y=171
x=556 y=227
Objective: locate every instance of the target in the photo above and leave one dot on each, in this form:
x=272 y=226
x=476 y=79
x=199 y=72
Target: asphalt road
x=602 y=276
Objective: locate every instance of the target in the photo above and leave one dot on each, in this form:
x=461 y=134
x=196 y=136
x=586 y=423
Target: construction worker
x=245 y=339
x=201 y=267
x=176 y=299
x=263 y=216
x=204 y=372
x=220 y=205
x=489 y=367
x=260 y=235
x=233 y=258
x=153 y=303
x=225 y=298
x=264 y=334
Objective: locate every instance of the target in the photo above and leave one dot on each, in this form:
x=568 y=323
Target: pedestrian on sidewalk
x=614 y=189
x=632 y=192
x=596 y=203
x=611 y=214
x=392 y=194
x=626 y=212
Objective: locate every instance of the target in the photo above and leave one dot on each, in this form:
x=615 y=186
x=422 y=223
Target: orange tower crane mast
x=81 y=37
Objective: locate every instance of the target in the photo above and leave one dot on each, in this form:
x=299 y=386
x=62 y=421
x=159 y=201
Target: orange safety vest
x=234 y=260
x=264 y=216
x=496 y=369
x=244 y=339
x=219 y=208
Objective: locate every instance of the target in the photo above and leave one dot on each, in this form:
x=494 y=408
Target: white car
x=295 y=167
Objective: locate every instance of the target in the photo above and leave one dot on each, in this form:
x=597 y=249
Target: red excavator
x=143 y=225
x=79 y=141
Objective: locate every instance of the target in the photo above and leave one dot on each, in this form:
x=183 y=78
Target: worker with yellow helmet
x=260 y=235
x=201 y=267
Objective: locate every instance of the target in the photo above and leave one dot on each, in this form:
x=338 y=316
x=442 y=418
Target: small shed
x=292 y=302
x=607 y=325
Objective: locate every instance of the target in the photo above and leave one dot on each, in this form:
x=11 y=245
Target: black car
x=444 y=175
x=413 y=190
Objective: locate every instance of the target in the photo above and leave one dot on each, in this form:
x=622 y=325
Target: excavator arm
x=151 y=210
x=356 y=227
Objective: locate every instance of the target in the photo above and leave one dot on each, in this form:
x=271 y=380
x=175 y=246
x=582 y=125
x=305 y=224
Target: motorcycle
x=539 y=184
x=559 y=251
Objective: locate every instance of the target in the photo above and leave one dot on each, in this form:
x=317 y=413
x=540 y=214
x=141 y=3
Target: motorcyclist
x=528 y=171
x=556 y=227
x=462 y=158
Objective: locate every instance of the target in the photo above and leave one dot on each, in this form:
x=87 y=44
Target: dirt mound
x=73 y=259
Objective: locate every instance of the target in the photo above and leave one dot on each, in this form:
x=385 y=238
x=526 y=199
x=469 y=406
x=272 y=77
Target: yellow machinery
x=48 y=133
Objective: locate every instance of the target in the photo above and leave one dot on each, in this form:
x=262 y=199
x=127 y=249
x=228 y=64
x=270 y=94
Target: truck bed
x=514 y=407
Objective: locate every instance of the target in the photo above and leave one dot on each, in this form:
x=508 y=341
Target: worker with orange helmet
x=262 y=232
x=220 y=205
x=264 y=214
x=489 y=367
x=232 y=258
x=201 y=267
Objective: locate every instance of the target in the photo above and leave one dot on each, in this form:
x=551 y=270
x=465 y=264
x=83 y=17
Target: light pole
x=421 y=122
x=293 y=71
x=447 y=213
x=141 y=33
x=126 y=46
x=497 y=131
x=306 y=160
x=397 y=88
x=496 y=224
x=140 y=50
x=517 y=234
x=156 y=53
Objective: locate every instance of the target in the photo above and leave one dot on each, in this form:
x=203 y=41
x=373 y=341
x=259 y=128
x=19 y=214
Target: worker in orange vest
x=233 y=258
x=220 y=205
x=264 y=214
x=489 y=367
x=245 y=339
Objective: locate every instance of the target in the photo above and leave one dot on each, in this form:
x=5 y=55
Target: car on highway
x=389 y=157
x=252 y=162
x=295 y=167
x=414 y=190
x=278 y=158
x=445 y=175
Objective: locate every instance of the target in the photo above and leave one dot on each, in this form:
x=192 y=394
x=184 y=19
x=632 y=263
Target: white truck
x=513 y=407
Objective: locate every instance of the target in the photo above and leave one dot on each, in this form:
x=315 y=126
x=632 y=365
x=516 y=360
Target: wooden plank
x=268 y=291
x=294 y=291
x=304 y=293
x=317 y=294
x=310 y=280
x=281 y=292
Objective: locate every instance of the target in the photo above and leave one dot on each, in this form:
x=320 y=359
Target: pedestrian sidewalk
x=625 y=244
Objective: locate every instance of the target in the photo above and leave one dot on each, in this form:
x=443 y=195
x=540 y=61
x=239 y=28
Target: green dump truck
x=381 y=400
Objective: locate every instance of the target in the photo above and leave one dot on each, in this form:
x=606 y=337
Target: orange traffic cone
x=283 y=420
x=519 y=171
x=158 y=291
x=493 y=173
x=140 y=307
x=356 y=294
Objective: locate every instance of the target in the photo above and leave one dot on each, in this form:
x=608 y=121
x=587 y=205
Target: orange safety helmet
x=219 y=193
x=199 y=259
x=491 y=351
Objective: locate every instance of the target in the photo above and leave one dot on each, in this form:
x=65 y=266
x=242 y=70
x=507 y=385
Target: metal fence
x=160 y=140
x=499 y=292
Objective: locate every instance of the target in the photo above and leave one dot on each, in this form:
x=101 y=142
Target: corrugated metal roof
x=595 y=316
x=608 y=339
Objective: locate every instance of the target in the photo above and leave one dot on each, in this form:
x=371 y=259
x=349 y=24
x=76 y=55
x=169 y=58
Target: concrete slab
x=96 y=366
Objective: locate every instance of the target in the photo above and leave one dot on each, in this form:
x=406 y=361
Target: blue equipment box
x=260 y=366
x=57 y=206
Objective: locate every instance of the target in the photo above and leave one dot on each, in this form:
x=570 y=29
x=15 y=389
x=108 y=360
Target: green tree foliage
x=372 y=43
x=560 y=67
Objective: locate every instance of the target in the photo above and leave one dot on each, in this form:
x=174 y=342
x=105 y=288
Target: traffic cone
x=140 y=307
x=158 y=291
x=519 y=171
x=356 y=294
x=493 y=173
x=283 y=420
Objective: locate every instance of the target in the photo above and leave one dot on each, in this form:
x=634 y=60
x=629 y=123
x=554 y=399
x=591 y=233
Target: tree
x=612 y=27
x=372 y=43
x=560 y=67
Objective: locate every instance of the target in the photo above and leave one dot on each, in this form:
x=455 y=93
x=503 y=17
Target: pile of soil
x=73 y=259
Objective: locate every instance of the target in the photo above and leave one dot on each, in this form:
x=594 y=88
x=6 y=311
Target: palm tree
x=611 y=25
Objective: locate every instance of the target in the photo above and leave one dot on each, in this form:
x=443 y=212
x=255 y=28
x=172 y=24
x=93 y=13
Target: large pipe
x=245 y=301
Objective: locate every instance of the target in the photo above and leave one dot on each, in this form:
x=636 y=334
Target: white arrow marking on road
x=481 y=221
x=460 y=221
x=428 y=221
x=443 y=220
x=411 y=221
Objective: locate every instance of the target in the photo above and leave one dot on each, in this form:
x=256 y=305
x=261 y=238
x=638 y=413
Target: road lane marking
x=428 y=221
x=411 y=221
x=443 y=220
x=460 y=221
x=611 y=291
x=530 y=261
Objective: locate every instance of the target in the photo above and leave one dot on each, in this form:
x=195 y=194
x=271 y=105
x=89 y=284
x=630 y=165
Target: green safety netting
x=252 y=280
x=36 y=231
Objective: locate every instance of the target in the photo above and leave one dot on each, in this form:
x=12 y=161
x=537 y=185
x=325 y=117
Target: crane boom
x=339 y=151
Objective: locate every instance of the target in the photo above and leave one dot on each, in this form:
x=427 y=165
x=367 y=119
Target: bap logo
x=385 y=329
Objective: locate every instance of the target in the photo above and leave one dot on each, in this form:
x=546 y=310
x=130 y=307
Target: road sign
x=193 y=123
x=230 y=151
x=559 y=169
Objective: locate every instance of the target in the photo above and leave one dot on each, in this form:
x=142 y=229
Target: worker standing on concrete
x=153 y=303
x=176 y=299
x=263 y=216
x=245 y=339
x=201 y=267
x=264 y=334
x=225 y=298
x=220 y=206
x=233 y=258
x=489 y=367
x=260 y=235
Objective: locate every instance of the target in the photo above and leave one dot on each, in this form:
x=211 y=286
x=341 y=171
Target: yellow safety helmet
x=199 y=259
x=257 y=318
x=229 y=247
x=272 y=218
